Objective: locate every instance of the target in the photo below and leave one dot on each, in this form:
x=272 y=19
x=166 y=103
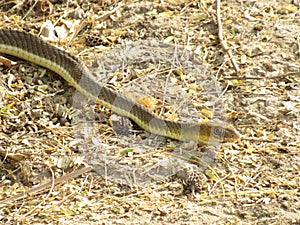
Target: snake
x=33 y=49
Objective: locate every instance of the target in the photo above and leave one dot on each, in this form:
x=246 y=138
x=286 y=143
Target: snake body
x=31 y=48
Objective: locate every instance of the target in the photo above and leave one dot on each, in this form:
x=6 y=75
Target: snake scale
x=31 y=48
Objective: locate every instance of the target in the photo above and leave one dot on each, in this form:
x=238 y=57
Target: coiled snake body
x=28 y=47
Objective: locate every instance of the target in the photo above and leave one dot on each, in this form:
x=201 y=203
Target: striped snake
x=28 y=47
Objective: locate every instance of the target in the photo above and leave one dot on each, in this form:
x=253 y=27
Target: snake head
x=224 y=133
x=216 y=132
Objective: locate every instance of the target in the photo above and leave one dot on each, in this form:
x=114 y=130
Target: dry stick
x=222 y=41
x=47 y=185
x=284 y=75
x=101 y=18
x=44 y=199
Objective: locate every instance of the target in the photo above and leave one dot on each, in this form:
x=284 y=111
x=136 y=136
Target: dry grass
x=253 y=181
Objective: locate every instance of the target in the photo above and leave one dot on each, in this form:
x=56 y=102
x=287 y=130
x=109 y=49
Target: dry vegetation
x=253 y=181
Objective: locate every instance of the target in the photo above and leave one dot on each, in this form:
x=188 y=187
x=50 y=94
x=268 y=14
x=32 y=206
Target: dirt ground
x=255 y=180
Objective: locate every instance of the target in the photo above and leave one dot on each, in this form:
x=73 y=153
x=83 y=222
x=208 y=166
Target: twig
x=284 y=75
x=49 y=193
x=223 y=42
x=108 y=14
x=47 y=185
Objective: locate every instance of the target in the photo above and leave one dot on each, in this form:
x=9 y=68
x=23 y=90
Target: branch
x=223 y=42
x=47 y=185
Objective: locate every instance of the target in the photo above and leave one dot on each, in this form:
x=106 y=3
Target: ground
x=254 y=180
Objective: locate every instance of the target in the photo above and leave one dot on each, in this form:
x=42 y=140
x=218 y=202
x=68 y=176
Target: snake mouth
x=232 y=137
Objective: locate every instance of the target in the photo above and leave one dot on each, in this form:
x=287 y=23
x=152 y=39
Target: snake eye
x=218 y=131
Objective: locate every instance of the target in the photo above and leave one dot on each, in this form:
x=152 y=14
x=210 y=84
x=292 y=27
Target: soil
x=254 y=180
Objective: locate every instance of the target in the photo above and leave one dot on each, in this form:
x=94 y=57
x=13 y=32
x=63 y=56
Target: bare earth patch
x=252 y=181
